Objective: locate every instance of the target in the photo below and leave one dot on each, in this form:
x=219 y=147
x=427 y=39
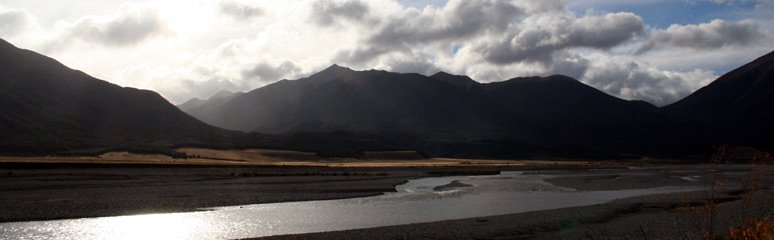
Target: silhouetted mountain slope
x=562 y=97
x=737 y=108
x=339 y=98
x=460 y=81
x=562 y=116
x=191 y=104
x=748 y=89
x=437 y=113
x=201 y=108
x=45 y=106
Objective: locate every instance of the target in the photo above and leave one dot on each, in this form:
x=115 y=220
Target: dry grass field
x=268 y=157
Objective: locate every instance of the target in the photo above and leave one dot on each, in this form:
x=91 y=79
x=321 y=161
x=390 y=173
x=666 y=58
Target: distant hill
x=737 y=108
x=48 y=107
x=202 y=109
x=333 y=99
x=442 y=114
x=747 y=89
x=554 y=116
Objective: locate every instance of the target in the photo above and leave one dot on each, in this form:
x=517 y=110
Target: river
x=420 y=200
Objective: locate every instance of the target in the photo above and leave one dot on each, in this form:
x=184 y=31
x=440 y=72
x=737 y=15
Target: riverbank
x=647 y=217
x=121 y=183
x=32 y=190
x=662 y=216
x=57 y=191
x=75 y=191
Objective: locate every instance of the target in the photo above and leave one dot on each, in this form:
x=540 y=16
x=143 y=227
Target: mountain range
x=452 y=115
x=442 y=114
x=46 y=107
x=737 y=108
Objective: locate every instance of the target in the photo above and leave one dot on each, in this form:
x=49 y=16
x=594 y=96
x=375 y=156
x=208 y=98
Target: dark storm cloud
x=458 y=20
x=326 y=12
x=264 y=72
x=359 y=55
x=540 y=43
x=128 y=28
x=712 y=35
x=239 y=11
x=412 y=64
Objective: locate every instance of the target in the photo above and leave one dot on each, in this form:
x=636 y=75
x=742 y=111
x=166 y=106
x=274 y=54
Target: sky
x=654 y=50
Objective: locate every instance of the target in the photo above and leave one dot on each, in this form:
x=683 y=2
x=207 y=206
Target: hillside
x=736 y=109
x=442 y=114
x=46 y=106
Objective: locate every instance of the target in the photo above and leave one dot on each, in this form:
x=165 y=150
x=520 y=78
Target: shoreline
x=627 y=218
x=34 y=192
x=101 y=191
x=66 y=193
x=657 y=216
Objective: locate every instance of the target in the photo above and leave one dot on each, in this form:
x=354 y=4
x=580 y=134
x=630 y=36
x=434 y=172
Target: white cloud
x=130 y=26
x=14 y=22
x=712 y=35
x=268 y=73
x=624 y=78
x=327 y=12
x=540 y=37
x=240 y=11
x=197 y=48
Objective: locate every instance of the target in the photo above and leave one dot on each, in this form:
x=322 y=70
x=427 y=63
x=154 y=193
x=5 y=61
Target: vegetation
x=464 y=172
x=757 y=203
x=306 y=174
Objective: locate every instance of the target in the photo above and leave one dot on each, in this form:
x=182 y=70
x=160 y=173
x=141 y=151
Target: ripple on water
x=414 y=202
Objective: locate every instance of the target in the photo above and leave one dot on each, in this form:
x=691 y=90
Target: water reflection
x=152 y=226
x=415 y=202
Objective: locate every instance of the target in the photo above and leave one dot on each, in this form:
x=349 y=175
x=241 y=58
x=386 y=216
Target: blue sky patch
x=663 y=13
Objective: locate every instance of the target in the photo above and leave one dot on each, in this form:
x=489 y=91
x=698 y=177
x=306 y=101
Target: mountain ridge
x=431 y=110
x=47 y=106
x=532 y=115
x=734 y=109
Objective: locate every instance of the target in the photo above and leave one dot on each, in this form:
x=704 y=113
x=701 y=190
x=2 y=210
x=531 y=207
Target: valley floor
x=42 y=190
x=687 y=215
x=45 y=188
x=286 y=158
x=647 y=217
x=59 y=191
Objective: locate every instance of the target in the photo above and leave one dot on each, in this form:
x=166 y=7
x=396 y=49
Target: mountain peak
x=337 y=68
x=560 y=78
x=553 y=79
x=190 y=104
x=332 y=72
x=442 y=74
x=223 y=94
x=79 y=111
x=748 y=85
x=456 y=80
